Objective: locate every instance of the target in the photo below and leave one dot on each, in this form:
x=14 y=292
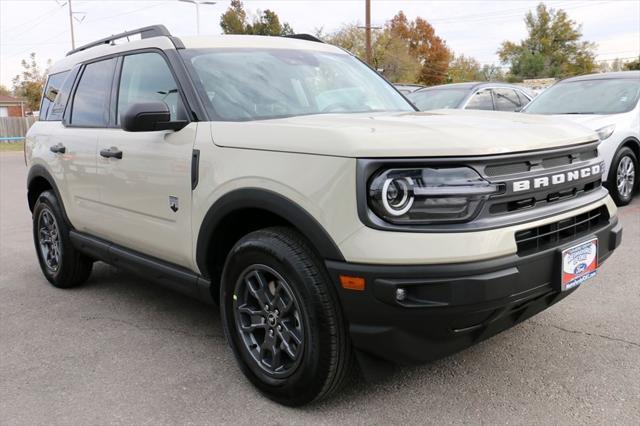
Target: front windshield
x=437 y=98
x=257 y=84
x=599 y=96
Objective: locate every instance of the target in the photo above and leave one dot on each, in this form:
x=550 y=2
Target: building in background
x=12 y=107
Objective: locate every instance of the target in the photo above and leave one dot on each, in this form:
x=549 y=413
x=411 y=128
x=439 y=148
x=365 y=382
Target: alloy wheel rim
x=49 y=239
x=625 y=176
x=269 y=320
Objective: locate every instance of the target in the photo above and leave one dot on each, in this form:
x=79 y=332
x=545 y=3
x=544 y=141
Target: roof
x=255 y=41
x=606 y=76
x=474 y=85
x=10 y=99
x=165 y=43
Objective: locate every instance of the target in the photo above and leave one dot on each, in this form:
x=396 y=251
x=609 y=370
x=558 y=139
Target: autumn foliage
x=423 y=44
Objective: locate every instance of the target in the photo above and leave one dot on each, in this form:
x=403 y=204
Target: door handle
x=58 y=149
x=112 y=152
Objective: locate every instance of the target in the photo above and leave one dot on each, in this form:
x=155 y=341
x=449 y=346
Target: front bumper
x=449 y=307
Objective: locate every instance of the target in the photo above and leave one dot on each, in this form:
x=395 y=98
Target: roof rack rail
x=307 y=37
x=144 y=32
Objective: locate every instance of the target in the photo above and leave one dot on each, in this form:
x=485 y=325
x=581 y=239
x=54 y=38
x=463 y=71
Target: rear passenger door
x=85 y=116
x=146 y=194
x=482 y=100
x=507 y=100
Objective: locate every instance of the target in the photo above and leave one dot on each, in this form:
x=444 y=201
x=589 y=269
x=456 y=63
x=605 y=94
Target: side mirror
x=149 y=117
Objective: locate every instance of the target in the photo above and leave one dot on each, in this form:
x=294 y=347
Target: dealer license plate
x=579 y=263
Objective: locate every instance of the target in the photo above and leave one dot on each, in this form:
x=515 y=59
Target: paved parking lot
x=122 y=351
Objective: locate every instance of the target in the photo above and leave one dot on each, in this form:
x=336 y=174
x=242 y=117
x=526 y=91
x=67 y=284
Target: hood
x=407 y=134
x=592 y=121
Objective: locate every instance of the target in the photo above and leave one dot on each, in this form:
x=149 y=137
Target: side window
x=481 y=100
x=51 y=92
x=91 y=100
x=56 y=110
x=507 y=100
x=524 y=100
x=146 y=77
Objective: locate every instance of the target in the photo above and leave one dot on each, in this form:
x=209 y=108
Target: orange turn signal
x=352 y=283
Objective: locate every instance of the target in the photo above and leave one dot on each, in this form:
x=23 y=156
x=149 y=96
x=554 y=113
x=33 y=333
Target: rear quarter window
x=51 y=92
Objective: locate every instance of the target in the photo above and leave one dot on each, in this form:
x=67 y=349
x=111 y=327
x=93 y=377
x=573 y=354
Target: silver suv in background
x=608 y=104
x=483 y=96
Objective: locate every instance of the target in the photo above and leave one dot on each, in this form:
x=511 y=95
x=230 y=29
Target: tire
x=622 y=181
x=277 y=266
x=61 y=263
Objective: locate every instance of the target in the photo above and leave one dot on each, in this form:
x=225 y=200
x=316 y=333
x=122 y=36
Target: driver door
x=145 y=177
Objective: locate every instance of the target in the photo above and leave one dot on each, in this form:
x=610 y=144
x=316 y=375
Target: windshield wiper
x=579 y=113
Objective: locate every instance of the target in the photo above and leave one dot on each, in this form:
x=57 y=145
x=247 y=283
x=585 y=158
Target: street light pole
x=198 y=3
x=73 y=40
x=367 y=30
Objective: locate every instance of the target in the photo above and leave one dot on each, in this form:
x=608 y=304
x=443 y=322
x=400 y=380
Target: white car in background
x=608 y=104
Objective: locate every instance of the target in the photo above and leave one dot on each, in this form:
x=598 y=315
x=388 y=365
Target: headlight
x=606 y=131
x=428 y=195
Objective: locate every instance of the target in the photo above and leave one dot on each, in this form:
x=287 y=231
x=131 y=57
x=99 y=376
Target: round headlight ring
x=397 y=197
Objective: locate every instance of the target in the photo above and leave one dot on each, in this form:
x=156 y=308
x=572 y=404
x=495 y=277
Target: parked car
x=405 y=89
x=485 y=96
x=609 y=104
x=321 y=212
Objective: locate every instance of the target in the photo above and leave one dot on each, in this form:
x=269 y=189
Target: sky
x=473 y=28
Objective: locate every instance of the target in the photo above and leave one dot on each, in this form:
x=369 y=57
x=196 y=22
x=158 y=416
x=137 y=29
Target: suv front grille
x=565 y=230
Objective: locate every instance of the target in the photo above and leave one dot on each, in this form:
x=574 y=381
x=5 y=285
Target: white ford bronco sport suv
x=286 y=181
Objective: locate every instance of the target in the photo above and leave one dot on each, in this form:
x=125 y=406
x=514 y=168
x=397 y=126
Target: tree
x=463 y=68
x=612 y=66
x=390 y=54
x=633 y=65
x=235 y=21
x=4 y=91
x=406 y=51
x=422 y=43
x=30 y=83
x=491 y=73
x=552 y=49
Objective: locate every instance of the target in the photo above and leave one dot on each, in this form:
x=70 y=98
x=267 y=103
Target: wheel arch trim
x=263 y=199
x=39 y=171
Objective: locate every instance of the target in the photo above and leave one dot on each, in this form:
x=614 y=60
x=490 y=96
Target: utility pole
x=367 y=30
x=73 y=40
x=198 y=3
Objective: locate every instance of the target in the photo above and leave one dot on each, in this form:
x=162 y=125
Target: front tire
x=61 y=263
x=623 y=176
x=282 y=317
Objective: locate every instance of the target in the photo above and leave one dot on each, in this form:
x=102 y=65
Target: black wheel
x=282 y=317
x=622 y=181
x=61 y=263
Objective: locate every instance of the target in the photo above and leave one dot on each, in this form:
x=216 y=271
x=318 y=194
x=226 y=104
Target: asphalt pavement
x=120 y=350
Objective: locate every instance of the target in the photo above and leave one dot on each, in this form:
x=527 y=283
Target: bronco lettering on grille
x=556 y=179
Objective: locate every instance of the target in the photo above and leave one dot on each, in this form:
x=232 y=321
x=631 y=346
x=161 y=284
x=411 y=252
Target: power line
x=39 y=19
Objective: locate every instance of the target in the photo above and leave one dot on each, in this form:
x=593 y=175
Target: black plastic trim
x=195 y=168
x=164 y=273
x=272 y=202
x=39 y=171
x=144 y=32
x=448 y=307
x=307 y=37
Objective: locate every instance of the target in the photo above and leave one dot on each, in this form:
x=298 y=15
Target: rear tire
x=622 y=181
x=61 y=263
x=282 y=317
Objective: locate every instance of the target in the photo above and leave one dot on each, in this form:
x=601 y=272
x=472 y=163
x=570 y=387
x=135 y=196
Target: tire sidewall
x=48 y=201
x=613 y=176
x=308 y=378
